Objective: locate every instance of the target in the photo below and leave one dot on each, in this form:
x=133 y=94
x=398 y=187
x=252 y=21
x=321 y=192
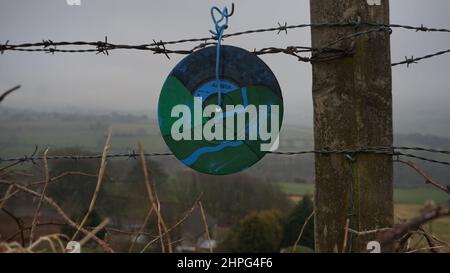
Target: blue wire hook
x=220 y=27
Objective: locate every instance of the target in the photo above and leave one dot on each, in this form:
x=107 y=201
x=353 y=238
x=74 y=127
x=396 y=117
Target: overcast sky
x=129 y=80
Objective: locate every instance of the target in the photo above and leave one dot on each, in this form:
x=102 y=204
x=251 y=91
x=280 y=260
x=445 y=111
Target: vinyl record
x=246 y=82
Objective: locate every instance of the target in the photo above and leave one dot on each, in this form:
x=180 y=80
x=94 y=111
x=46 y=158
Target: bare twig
x=16 y=172
x=430 y=240
x=301 y=232
x=49 y=239
x=434 y=237
x=404 y=243
x=6 y=196
x=154 y=202
x=400 y=230
x=60 y=211
x=19 y=223
x=14 y=247
x=368 y=232
x=428 y=179
x=426 y=248
x=141 y=229
x=94 y=231
x=59 y=177
x=39 y=205
x=6 y=93
x=205 y=224
x=9 y=194
x=347 y=225
x=108 y=229
x=186 y=216
x=99 y=182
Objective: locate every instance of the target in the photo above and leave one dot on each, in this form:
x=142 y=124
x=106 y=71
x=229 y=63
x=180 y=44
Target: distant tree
x=258 y=232
x=72 y=191
x=93 y=221
x=294 y=223
x=226 y=198
x=301 y=249
x=135 y=174
x=127 y=185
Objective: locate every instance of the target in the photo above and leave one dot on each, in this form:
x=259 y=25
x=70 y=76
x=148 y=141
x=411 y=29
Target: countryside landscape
x=261 y=134
x=122 y=198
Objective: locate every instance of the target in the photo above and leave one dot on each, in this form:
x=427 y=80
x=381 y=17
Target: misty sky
x=131 y=80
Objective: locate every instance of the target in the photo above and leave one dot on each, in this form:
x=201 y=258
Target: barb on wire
x=412 y=60
x=318 y=55
x=282 y=28
x=3 y=47
x=389 y=151
x=102 y=47
x=158 y=47
x=392 y=151
x=420 y=28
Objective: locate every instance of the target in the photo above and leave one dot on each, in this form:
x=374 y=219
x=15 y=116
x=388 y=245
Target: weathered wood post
x=352 y=108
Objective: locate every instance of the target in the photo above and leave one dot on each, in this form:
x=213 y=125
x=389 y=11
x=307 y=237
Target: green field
x=440 y=228
x=20 y=138
x=401 y=195
x=409 y=203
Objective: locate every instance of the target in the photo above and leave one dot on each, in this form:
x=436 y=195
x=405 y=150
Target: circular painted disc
x=245 y=80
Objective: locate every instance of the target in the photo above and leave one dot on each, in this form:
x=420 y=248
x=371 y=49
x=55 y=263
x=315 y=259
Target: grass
x=409 y=203
x=296 y=188
x=20 y=138
x=401 y=195
x=440 y=228
x=420 y=196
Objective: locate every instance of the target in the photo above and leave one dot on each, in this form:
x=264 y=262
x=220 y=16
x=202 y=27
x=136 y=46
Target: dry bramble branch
x=15 y=247
x=187 y=214
x=301 y=232
x=154 y=203
x=14 y=188
x=141 y=229
x=44 y=189
x=106 y=228
x=398 y=231
x=99 y=182
x=428 y=179
x=205 y=224
x=401 y=232
x=60 y=211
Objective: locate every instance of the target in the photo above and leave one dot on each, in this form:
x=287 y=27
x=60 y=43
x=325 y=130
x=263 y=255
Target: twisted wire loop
x=220 y=25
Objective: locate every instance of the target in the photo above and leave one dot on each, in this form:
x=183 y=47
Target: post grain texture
x=352 y=108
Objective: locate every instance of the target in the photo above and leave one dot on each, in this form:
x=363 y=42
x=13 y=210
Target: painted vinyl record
x=246 y=83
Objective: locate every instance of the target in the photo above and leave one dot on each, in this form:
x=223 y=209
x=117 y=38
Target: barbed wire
x=280 y=28
x=391 y=151
x=325 y=53
x=412 y=60
x=159 y=47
